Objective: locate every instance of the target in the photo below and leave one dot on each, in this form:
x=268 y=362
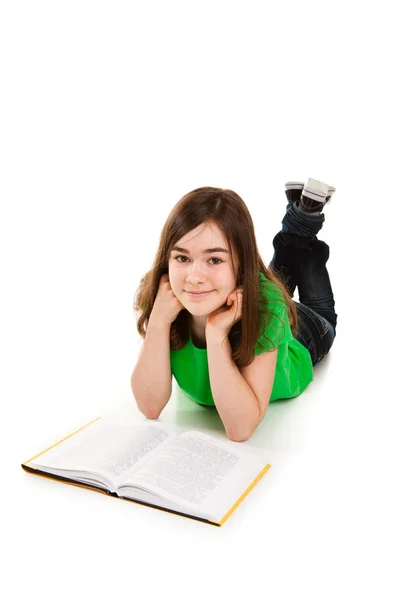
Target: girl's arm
x=151 y=378
x=241 y=396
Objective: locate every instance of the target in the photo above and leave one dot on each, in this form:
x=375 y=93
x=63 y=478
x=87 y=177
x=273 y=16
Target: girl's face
x=201 y=270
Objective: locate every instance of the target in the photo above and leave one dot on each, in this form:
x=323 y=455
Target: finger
x=239 y=305
x=164 y=279
x=237 y=293
x=231 y=297
x=235 y=296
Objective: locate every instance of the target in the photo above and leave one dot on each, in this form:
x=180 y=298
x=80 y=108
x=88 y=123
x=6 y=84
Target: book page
x=109 y=449
x=197 y=469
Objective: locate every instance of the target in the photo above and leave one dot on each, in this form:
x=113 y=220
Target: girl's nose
x=194 y=277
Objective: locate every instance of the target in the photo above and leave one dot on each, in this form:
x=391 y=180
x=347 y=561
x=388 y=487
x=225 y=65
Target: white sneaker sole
x=294 y=185
x=317 y=190
x=299 y=185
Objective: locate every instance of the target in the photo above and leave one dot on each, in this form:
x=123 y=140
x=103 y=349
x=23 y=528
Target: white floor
x=111 y=114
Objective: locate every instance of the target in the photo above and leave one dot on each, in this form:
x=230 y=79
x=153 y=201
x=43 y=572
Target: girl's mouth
x=198 y=294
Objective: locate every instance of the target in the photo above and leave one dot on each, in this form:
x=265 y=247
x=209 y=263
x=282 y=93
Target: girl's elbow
x=243 y=434
x=148 y=411
x=239 y=436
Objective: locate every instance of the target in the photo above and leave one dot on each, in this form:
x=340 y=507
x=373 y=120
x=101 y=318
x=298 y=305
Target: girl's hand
x=222 y=320
x=166 y=306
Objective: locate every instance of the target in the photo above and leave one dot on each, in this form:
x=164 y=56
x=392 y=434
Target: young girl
x=225 y=325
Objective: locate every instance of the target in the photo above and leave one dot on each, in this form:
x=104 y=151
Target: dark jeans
x=300 y=261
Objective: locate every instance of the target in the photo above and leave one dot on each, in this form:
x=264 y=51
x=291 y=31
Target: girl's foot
x=315 y=195
x=294 y=190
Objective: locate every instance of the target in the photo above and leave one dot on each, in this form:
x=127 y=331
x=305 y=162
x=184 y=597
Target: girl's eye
x=185 y=257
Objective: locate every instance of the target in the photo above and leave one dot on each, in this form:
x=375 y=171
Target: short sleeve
x=275 y=327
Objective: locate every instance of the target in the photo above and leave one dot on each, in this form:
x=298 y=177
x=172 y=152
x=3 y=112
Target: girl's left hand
x=222 y=320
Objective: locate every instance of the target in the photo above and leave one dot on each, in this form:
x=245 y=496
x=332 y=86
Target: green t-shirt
x=294 y=369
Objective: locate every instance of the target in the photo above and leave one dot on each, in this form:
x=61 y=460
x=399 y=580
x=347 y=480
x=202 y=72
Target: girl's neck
x=198 y=331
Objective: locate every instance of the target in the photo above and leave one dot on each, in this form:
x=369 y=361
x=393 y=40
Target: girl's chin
x=200 y=311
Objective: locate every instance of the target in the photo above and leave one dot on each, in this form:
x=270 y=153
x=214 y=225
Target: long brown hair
x=226 y=209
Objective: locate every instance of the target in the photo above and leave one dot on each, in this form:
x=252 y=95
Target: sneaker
x=293 y=191
x=315 y=195
x=331 y=191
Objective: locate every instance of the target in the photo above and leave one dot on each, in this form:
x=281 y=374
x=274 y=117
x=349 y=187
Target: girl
x=225 y=325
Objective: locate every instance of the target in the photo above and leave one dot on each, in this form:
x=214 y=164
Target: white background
x=110 y=112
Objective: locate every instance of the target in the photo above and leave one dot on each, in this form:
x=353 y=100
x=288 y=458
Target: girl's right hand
x=166 y=306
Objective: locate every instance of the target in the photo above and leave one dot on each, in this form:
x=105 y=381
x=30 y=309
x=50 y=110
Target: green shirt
x=293 y=366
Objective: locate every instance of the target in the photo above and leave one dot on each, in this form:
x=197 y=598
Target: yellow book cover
x=188 y=473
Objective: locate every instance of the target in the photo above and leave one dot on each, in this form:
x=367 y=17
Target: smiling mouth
x=194 y=294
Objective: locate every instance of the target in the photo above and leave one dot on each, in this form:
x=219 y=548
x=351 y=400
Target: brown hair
x=230 y=213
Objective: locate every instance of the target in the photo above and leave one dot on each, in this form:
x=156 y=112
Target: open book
x=191 y=473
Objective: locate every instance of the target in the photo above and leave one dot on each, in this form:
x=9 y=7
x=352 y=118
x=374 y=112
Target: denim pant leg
x=300 y=260
x=315 y=332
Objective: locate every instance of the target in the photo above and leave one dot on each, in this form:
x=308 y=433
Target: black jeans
x=300 y=261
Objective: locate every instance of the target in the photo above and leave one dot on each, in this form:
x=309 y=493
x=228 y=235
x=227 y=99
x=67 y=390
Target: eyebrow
x=208 y=251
